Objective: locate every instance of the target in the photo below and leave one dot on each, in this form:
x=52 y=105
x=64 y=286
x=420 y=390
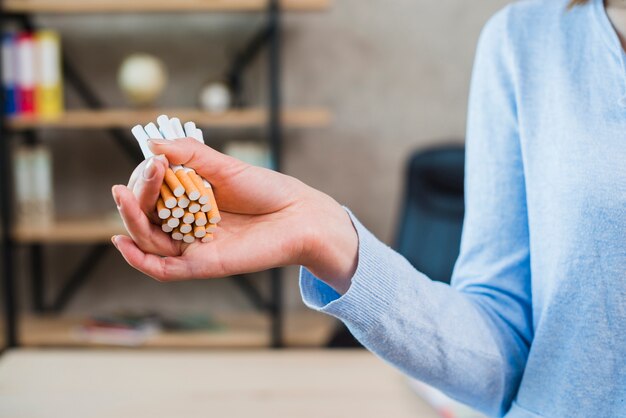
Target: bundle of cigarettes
x=186 y=205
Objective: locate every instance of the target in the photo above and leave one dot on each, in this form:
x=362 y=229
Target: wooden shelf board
x=70 y=231
x=302 y=329
x=127 y=118
x=125 y=6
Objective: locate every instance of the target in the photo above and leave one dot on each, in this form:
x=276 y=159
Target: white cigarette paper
x=177 y=128
x=142 y=138
x=190 y=128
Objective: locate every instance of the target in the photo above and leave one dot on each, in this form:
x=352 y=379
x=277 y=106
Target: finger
x=239 y=187
x=160 y=268
x=149 y=237
x=147 y=185
x=137 y=173
x=207 y=162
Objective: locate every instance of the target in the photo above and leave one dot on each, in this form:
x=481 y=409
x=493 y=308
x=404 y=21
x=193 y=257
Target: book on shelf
x=33 y=185
x=9 y=73
x=32 y=78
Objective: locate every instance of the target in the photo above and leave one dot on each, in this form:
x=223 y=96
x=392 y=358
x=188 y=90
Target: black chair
x=431 y=218
x=429 y=229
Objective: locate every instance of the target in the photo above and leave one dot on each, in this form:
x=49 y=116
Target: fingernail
x=114 y=240
x=116 y=196
x=159 y=142
x=160 y=157
x=149 y=170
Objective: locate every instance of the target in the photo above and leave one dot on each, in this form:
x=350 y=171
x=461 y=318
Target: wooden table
x=184 y=384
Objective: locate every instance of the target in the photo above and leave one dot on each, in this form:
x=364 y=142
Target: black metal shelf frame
x=269 y=36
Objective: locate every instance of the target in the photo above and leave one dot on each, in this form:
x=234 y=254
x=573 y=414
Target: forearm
x=427 y=329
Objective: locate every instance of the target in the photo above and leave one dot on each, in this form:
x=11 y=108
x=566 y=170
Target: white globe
x=215 y=97
x=142 y=78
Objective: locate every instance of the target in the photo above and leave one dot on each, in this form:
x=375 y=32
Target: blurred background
x=393 y=78
x=368 y=84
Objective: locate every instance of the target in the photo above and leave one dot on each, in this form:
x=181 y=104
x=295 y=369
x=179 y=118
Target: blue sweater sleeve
x=470 y=339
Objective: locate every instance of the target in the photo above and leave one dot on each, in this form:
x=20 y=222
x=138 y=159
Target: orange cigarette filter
x=207 y=238
x=185 y=228
x=169 y=200
x=199 y=232
x=190 y=189
x=178 y=212
x=162 y=211
x=211 y=228
x=189 y=238
x=197 y=180
x=200 y=218
x=174 y=183
x=194 y=207
x=173 y=222
x=166 y=228
x=177 y=235
x=214 y=213
x=189 y=218
x=183 y=201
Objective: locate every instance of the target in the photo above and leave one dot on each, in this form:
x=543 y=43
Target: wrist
x=331 y=251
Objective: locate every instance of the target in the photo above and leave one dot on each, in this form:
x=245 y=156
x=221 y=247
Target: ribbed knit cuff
x=373 y=288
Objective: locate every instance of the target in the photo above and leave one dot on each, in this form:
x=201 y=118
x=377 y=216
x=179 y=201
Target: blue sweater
x=534 y=324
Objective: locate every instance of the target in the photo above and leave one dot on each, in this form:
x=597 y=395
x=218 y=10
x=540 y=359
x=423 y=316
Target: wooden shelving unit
x=263 y=330
x=302 y=329
x=155 y=6
x=70 y=231
x=127 y=118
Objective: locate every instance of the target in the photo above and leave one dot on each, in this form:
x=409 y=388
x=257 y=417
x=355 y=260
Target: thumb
x=209 y=163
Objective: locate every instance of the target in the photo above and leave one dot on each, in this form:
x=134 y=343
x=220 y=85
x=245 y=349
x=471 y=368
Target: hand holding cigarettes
x=183 y=193
x=269 y=220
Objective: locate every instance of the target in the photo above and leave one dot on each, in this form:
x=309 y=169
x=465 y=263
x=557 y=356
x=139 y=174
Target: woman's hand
x=268 y=220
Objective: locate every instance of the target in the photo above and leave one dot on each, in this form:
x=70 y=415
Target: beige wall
x=394 y=73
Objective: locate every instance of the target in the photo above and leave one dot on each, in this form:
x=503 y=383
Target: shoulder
x=530 y=26
x=531 y=13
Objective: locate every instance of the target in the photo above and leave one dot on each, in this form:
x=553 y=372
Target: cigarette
x=183 y=202
x=177 y=128
x=195 y=133
x=192 y=191
x=152 y=131
x=165 y=127
x=168 y=197
x=142 y=138
x=200 y=218
x=188 y=218
x=214 y=213
x=198 y=135
x=184 y=196
x=178 y=212
x=199 y=232
x=194 y=207
x=162 y=211
x=197 y=180
x=173 y=222
x=177 y=235
x=174 y=183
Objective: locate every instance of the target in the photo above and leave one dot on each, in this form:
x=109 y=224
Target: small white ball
x=142 y=78
x=215 y=97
